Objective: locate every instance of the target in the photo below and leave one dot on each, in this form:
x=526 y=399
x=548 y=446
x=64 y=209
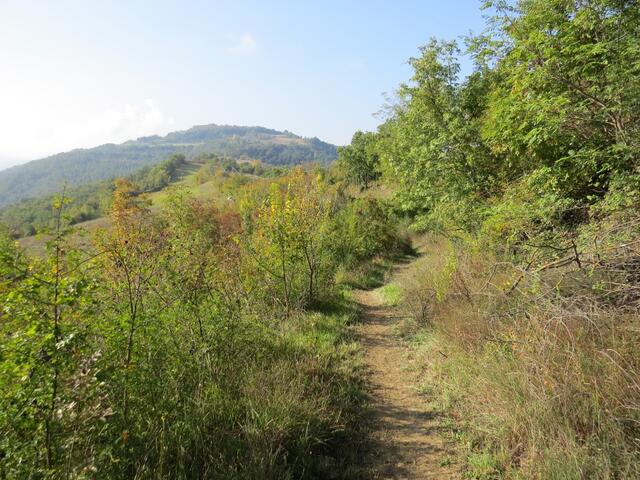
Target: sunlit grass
x=391 y=294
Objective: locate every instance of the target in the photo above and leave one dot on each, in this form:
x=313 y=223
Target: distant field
x=188 y=180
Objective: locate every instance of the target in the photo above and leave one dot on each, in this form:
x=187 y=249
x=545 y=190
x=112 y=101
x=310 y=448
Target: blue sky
x=82 y=73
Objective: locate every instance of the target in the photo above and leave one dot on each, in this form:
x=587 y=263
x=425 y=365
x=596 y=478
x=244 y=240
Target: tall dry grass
x=537 y=362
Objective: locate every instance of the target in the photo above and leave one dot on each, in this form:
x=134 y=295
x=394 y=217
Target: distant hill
x=82 y=166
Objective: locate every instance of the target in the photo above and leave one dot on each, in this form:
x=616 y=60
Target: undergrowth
x=190 y=342
x=537 y=372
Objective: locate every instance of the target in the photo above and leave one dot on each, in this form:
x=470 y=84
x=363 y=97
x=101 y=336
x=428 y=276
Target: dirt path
x=405 y=439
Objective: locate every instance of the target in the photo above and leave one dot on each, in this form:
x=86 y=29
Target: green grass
x=391 y=294
x=482 y=466
x=371 y=274
x=209 y=190
x=320 y=345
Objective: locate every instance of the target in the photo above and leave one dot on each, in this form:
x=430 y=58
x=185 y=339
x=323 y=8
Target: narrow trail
x=406 y=443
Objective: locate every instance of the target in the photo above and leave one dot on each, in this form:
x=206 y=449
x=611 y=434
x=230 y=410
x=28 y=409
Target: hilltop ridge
x=86 y=165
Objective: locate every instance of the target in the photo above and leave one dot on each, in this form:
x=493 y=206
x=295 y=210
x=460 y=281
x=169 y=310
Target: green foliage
x=364 y=229
x=431 y=144
x=183 y=344
x=569 y=92
x=530 y=211
x=161 y=175
x=44 y=363
x=391 y=294
x=289 y=238
x=360 y=161
x=554 y=98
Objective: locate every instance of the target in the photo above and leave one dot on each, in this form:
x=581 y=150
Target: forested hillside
x=84 y=166
x=212 y=338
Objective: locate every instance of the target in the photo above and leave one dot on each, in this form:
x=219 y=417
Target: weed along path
x=405 y=438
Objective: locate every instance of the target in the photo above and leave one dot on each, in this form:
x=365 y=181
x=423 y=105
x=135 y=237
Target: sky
x=83 y=73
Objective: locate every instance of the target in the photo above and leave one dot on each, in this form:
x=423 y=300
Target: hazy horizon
x=118 y=142
x=317 y=70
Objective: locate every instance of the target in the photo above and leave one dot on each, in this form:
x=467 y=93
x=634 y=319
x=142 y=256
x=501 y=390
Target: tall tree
x=569 y=95
x=360 y=160
x=431 y=143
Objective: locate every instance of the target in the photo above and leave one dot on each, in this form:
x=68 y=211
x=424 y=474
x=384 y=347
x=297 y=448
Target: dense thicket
x=80 y=167
x=185 y=343
x=550 y=112
x=530 y=166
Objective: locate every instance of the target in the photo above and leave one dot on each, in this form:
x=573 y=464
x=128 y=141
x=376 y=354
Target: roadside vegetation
x=190 y=341
x=210 y=339
x=524 y=178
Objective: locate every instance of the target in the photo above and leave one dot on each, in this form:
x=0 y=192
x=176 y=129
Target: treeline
x=529 y=169
x=192 y=342
x=292 y=153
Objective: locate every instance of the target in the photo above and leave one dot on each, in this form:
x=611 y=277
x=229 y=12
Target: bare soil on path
x=405 y=433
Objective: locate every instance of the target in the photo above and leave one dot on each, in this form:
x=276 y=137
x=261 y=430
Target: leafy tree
x=360 y=159
x=569 y=92
x=431 y=143
x=554 y=98
x=363 y=229
x=49 y=392
x=287 y=237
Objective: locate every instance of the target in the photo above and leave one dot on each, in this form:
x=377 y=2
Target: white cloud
x=116 y=125
x=60 y=132
x=243 y=44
